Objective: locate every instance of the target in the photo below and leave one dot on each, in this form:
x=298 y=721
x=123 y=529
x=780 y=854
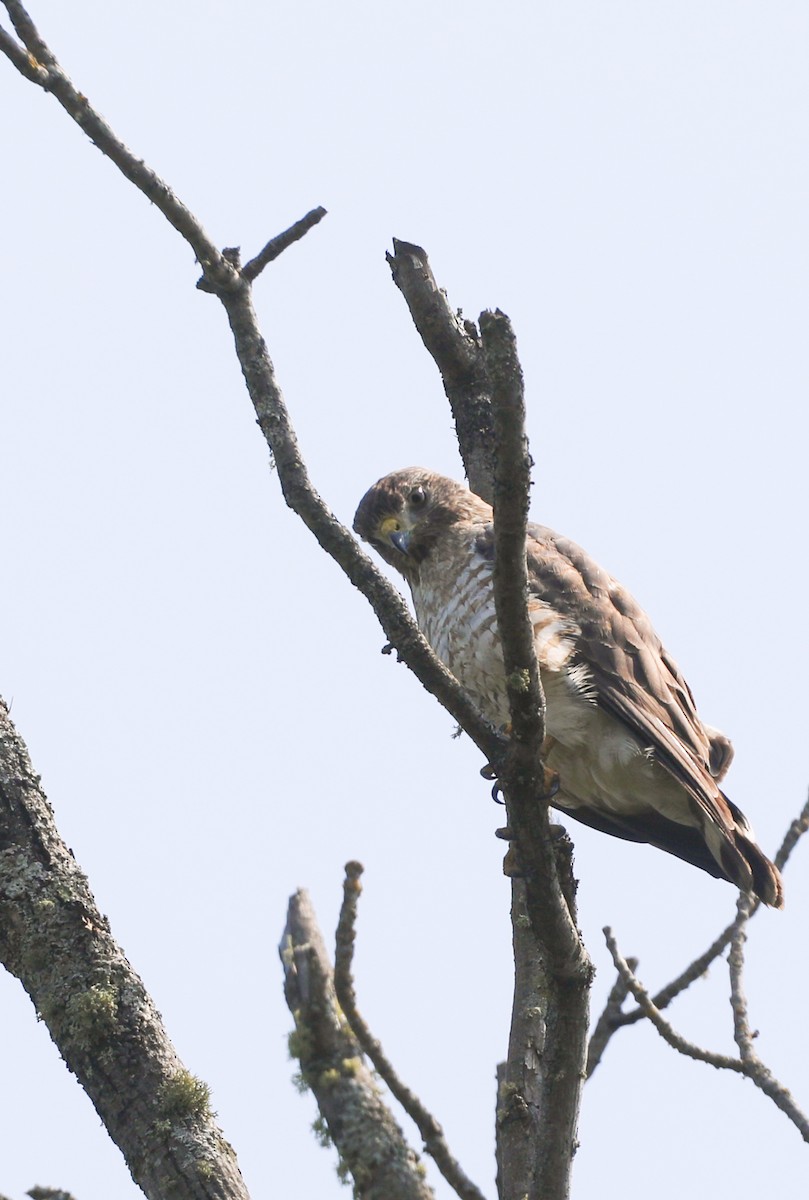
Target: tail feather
x=767 y=882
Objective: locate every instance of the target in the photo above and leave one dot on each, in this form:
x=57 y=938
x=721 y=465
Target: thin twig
x=691 y=974
x=50 y=76
x=280 y=242
x=435 y=1142
x=695 y=970
x=742 y=1034
x=606 y=1024
x=792 y=836
x=750 y=1065
x=666 y=1031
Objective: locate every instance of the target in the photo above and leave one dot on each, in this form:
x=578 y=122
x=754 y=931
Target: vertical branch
x=547 y=1049
x=455 y=347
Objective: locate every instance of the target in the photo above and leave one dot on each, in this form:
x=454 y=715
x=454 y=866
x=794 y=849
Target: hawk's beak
x=392 y=530
x=401 y=539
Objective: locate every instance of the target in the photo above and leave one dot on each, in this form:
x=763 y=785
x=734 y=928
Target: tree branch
x=432 y=1134
x=232 y=285
x=666 y=1031
x=539 y=1107
x=607 y=1023
x=278 y=244
x=57 y=943
x=370 y=1143
x=748 y=1064
x=700 y=965
x=454 y=345
x=300 y=495
x=46 y=71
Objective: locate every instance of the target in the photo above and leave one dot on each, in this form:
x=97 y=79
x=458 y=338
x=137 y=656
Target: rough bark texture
x=57 y=943
x=455 y=345
x=371 y=1145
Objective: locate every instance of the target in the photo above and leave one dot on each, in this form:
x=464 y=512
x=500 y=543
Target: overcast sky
x=200 y=689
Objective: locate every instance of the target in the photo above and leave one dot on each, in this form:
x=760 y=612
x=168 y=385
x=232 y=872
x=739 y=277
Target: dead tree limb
x=371 y=1145
x=612 y=1019
x=57 y=943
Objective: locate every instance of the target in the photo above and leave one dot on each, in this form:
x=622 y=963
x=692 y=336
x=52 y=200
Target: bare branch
x=28 y=34
x=280 y=242
x=699 y=966
x=299 y=493
x=524 y=778
x=607 y=1023
x=50 y=76
x=57 y=943
x=455 y=347
x=369 y=1141
x=792 y=836
x=233 y=289
x=742 y=1033
x=432 y=1134
x=539 y=1104
x=25 y=63
x=749 y=1064
x=666 y=1031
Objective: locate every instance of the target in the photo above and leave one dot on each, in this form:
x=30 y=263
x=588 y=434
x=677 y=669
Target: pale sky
x=200 y=689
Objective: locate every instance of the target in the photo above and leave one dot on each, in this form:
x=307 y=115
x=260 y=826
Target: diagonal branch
x=748 y=1064
x=433 y=1135
x=695 y=970
x=46 y=71
x=57 y=943
x=612 y=1019
x=278 y=244
x=607 y=1023
x=666 y=1031
x=301 y=496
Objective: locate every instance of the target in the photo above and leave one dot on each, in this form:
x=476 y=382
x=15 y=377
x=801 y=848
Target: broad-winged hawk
x=633 y=757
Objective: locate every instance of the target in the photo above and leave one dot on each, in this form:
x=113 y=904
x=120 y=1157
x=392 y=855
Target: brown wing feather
x=633 y=676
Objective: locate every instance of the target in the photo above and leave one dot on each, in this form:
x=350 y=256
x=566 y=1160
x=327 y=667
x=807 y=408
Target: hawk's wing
x=631 y=674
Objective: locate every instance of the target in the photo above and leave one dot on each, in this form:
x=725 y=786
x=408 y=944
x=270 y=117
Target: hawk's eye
x=418 y=497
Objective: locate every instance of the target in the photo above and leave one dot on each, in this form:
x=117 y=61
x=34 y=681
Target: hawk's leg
x=550 y=778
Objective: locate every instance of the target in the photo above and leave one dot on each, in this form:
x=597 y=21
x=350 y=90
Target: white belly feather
x=598 y=759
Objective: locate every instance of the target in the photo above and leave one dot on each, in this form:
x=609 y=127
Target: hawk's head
x=405 y=514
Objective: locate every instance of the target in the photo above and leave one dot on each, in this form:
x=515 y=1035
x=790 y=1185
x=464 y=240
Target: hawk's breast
x=454 y=602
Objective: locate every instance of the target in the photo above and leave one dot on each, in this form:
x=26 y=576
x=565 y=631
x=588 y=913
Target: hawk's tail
x=767 y=882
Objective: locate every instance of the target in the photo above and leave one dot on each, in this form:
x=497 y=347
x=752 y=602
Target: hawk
x=633 y=757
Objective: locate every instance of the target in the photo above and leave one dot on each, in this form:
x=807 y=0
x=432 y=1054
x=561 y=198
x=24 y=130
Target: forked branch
x=435 y=1143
